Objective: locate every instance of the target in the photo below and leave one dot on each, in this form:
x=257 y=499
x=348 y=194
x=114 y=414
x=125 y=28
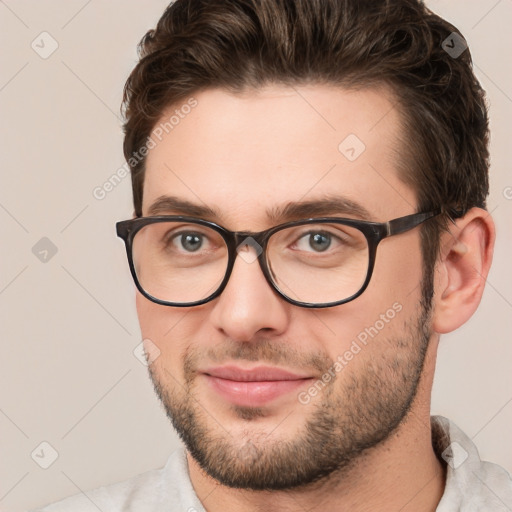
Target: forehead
x=247 y=155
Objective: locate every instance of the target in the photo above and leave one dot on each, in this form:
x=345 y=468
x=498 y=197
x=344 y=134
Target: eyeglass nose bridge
x=238 y=237
x=243 y=240
x=239 y=244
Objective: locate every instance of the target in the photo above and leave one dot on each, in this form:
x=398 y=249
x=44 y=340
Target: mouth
x=253 y=387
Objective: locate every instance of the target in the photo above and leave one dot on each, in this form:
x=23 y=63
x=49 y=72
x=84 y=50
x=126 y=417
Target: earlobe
x=462 y=269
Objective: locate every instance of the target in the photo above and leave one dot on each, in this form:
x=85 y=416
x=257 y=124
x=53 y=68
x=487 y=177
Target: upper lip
x=257 y=374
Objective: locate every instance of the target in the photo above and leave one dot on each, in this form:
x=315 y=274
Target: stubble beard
x=345 y=422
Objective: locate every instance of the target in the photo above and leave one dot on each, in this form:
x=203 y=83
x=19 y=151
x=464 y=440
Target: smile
x=255 y=387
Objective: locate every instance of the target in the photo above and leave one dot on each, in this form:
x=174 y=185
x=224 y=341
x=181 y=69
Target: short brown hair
x=243 y=44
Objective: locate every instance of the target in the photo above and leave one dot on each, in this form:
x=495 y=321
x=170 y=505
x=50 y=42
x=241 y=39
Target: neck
x=402 y=473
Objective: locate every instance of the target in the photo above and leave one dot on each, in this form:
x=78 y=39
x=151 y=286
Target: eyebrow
x=325 y=206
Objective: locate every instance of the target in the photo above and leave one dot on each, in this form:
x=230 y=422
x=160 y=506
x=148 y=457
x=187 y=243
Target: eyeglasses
x=314 y=263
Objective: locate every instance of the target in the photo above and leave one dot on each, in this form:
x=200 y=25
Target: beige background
x=68 y=325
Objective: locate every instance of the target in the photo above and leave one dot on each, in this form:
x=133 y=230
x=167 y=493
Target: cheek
x=398 y=270
x=158 y=323
x=151 y=318
x=170 y=329
x=385 y=308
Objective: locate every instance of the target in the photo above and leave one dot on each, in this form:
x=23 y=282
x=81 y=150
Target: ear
x=462 y=268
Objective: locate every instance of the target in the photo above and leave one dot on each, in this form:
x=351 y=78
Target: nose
x=248 y=304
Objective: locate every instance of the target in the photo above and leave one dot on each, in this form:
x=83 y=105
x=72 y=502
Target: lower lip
x=253 y=394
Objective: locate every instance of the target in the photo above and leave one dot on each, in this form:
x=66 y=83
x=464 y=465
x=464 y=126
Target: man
x=309 y=183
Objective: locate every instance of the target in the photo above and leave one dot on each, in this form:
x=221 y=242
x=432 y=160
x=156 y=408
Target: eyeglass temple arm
x=397 y=226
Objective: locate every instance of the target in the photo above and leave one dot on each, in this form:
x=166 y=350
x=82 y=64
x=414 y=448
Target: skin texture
x=364 y=441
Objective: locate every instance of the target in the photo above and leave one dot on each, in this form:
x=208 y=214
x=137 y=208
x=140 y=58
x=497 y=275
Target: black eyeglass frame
x=374 y=233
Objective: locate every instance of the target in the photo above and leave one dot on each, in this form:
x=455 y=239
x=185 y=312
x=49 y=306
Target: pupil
x=191 y=242
x=320 y=242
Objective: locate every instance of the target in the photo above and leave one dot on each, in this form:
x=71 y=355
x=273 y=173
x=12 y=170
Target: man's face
x=264 y=393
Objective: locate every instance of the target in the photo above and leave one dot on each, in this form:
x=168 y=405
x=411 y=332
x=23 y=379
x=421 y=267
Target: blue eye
x=190 y=241
x=316 y=241
x=319 y=241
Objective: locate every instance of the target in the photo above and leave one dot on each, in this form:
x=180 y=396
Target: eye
x=319 y=241
x=188 y=241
